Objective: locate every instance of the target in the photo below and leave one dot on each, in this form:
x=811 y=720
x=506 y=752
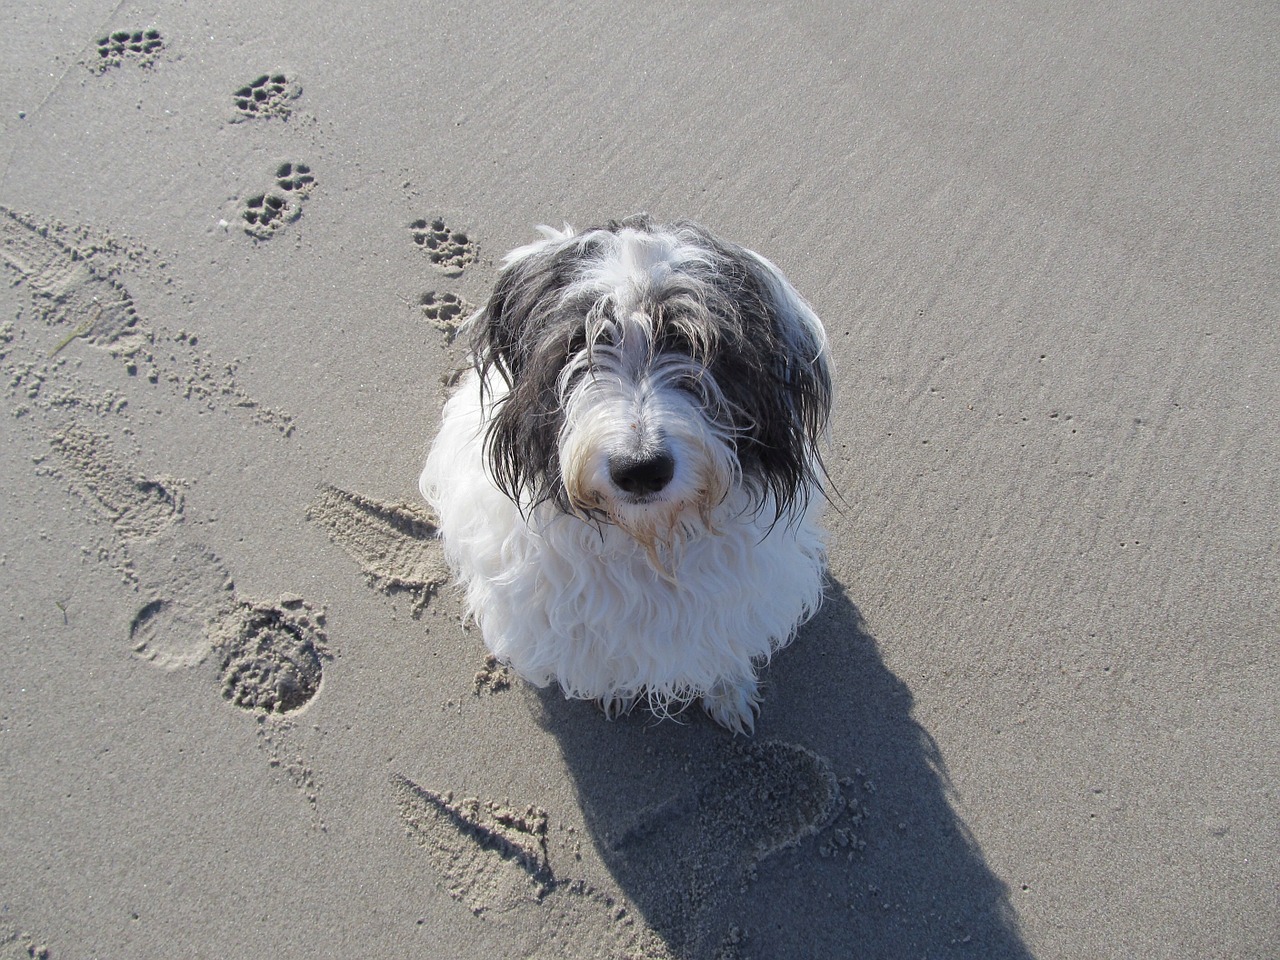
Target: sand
x=240 y=713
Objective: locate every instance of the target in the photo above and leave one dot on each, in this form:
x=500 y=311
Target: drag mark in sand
x=396 y=545
x=494 y=859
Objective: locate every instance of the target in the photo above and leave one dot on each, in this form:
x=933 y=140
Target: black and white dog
x=628 y=481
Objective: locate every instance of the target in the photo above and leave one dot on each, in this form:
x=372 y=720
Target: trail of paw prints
x=265 y=213
x=445 y=311
x=395 y=544
x=141 y=47
x=73 y=294
x=494 y=859
x=451 y=251
x=270 y=96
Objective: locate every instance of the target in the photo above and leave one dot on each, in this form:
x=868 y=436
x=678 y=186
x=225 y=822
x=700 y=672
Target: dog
x=628 y=478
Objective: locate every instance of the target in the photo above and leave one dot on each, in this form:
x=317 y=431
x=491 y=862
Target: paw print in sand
x=450 y=250
x=445 y=311
x=267 y=96
x=144 y=46
x=265 y=213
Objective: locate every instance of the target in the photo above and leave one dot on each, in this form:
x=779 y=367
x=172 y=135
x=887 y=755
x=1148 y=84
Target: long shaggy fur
x=628 y=480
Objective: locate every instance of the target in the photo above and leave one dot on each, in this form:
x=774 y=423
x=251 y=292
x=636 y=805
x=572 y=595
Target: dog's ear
x=783 y=388
x=522 y=337
x=505 y=333
x=802 y=365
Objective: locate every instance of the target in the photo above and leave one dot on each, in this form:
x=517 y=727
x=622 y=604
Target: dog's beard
x=661 y=528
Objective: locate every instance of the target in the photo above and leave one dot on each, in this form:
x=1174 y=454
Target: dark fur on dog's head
x=756 y=355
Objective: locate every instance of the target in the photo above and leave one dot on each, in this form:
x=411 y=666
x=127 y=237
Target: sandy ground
x=240 y=715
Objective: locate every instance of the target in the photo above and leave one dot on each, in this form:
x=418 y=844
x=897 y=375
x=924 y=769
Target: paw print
x=268 y=96
x=295 y=178
x=450 y=250
x=144 y=46
x=265 y=213
x=445 y=312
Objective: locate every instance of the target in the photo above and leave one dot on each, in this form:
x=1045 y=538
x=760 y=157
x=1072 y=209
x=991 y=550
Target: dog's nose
x=640 y=476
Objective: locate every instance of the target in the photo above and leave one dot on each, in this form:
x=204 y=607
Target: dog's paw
x=734 y=705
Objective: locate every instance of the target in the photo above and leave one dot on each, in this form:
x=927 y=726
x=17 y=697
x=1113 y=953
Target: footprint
x=450 y=250
x=141 y=46
x=395 y=544
x=66 y=289
x=70 y=281
x=272 y=654
x=137 y=507
x=445 y=311
x=270 y=95
x=768 y=798
x=265 y=213
x=491 y=855
x=186 y=590
x=708 y=842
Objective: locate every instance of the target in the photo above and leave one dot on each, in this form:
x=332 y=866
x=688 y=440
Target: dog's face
x=650 y=371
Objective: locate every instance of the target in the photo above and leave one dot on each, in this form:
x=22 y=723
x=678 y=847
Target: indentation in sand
x=69 y=290
x=445 y=311
x=709 y=841
x=265 y=213
x=490 y=855
x=493 y=677
x=71 y=282
x=269 y=96
x=449 y=250
x=142 y=47
x=272 y=654
x=395 y=544
x=19 y=945
x=185 y=590
x=698 y=847
x=137 y=506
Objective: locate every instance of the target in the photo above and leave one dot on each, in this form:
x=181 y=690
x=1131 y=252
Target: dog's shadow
x=830 y=833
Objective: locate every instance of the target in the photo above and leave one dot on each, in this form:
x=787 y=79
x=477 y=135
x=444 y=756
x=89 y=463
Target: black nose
x=640 y=476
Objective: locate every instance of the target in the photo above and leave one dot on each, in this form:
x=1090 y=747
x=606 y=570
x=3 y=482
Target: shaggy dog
x=628 y=479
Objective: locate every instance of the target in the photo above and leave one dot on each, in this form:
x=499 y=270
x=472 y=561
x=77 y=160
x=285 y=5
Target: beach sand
x=240 y=712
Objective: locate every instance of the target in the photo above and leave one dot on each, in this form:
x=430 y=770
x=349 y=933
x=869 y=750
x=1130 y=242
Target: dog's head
x=646 y=372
